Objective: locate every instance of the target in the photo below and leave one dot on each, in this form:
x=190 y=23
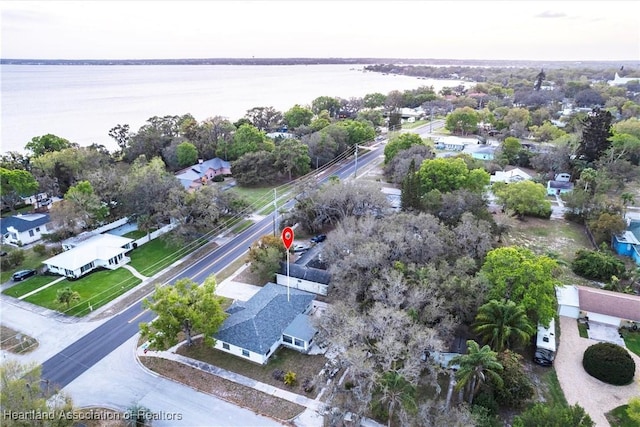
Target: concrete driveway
x=596 y=397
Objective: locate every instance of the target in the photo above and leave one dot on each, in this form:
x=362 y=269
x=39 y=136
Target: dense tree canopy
x=449 y=174
x=517 y=274
x=48 y=143
x=400 y=142
x=462 y=120
x=183 y=307
x=523 y=198
x=297 y=116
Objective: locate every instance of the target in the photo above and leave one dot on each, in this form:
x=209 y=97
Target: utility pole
x=355 y=172
x=431 y=121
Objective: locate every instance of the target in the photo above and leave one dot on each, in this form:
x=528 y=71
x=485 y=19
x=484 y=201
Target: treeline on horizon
x=321 y=61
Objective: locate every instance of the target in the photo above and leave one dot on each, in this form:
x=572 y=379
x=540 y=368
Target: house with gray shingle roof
x=202 y=172
x=274 y=316
x=305 y=278
x=24 y=229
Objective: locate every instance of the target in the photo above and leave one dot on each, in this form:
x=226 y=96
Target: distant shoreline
x=322 y=61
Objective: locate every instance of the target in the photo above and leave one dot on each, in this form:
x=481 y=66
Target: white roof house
x=513 y=175
x=102 y=250
x=621 y=81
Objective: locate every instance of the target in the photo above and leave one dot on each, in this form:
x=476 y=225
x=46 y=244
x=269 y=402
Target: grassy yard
x=552 y=391
x=618 y=417
x=304 y=366
x=95 y=289
x=26 y=286
x=135 y=234
x=256 y=197
x=417 y=123
x=31 y=261
x=158 y=254
x=582 y=329
x=632 y=340
x=558 y=239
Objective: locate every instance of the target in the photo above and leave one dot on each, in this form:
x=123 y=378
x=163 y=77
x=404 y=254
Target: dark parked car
x=544 y=357
x=22 y=274
x=319 y=238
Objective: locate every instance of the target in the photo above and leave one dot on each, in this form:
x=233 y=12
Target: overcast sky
x=528 y=30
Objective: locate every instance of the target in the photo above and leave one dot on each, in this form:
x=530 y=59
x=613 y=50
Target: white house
x=24 y=229
x=513 y=175
x=611 y=308
x=274 y=316
x=568 y=301
x=304 y=278
x=621 y=81
x=102 y=250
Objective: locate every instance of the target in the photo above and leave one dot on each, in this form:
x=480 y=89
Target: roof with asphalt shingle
x=610 y=303
x=305 y=273
x=23 y=222
x=257 y=324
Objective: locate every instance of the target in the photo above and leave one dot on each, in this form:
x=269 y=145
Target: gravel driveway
x=596 y=397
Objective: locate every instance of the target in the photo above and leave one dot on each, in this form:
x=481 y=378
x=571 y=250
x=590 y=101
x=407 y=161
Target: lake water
x=81 y=103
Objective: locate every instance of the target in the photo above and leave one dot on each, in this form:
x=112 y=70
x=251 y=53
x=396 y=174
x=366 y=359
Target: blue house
x=627 y=243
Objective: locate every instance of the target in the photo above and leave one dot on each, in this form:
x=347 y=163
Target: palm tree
x=396 y=391
x=67 y=296
x=475 y=367
x=138 y=416
x=502 y=324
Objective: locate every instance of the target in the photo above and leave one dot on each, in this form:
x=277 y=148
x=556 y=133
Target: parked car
x=544 y=357
x=22 y=274
x=319 y=238
x=300 y=248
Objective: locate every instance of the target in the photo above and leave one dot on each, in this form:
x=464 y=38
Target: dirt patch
x=16 y=342
x=249 y=277
x=237 y=394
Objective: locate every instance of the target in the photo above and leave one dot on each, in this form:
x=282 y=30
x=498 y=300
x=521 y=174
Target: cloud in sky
x=306 y=28
x=550 y=14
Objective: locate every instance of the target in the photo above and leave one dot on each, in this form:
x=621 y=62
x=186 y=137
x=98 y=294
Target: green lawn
x=26 y=286
x=95 y=289
x=135 y=234
x=553 y=392
x=632 y=340
x=31 y=261
x=415 y=124
x=582 y=329
x=256 y=197
x=158 y=254
x=618 y=417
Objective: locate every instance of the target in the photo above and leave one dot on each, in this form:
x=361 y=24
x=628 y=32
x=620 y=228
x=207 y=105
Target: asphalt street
x=78 y=357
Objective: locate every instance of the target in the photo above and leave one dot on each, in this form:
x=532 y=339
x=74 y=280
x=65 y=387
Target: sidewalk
x=236 y=378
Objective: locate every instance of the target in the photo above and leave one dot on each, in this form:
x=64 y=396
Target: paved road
x=71 y=362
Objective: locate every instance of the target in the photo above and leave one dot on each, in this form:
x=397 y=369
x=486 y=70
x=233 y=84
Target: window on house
x=299 y=343
x=267 y=353
x=287 y=339
x=225 y=346
x=30 y=233
x=245 y=353
x=38 y=229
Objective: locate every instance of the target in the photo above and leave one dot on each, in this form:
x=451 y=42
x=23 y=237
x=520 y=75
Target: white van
x=545 y=344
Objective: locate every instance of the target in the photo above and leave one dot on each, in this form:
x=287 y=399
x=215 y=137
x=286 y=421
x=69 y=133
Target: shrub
x=290 y=378
x=597 y=265
x=278 y=375
x=307 y=385
x=609 y=363
x=12 y=259
x=486 y=400
x=218 y=178
x=40 y=249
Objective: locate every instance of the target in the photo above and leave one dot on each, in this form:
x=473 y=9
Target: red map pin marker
x=287 y=237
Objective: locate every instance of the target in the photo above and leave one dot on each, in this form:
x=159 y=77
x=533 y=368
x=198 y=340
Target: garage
x=568 y=301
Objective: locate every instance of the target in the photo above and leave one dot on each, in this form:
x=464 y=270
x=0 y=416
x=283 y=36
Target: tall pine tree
x=595 y=136
x=410 y=195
